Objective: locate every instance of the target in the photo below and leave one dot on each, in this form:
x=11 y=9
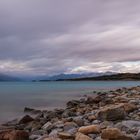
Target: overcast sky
x=69 y=36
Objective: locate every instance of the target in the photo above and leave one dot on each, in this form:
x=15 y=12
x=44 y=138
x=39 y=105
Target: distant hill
x=72 y=76
x=120 y=76
x=4 y=77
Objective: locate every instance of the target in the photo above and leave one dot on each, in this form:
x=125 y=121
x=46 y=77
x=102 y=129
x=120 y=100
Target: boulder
x=91 y=118
x=49 y=115
x=48 y=126
x=19 y=135
x=33 y=126
x=65 y=135
x=34 y=137
x=91 y=129
x=26 y=119
x=4 y=135
x=51 y=139
x=112 y=113
x=80 y=136
x=128 y=107
x=31 y=110
x=68 y=113
x=78 y=120
x=128 y=125
x=14 y=135
x=114 y=134
x=70 y=125
x=58 y=124
x=73 y=103
x=27 y=109
x=94 y=99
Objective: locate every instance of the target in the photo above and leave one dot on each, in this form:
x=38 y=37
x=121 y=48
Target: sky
x=69 y=36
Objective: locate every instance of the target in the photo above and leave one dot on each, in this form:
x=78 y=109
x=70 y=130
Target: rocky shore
x=111 y=115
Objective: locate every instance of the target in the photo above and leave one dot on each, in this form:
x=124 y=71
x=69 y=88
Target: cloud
x=50 y=37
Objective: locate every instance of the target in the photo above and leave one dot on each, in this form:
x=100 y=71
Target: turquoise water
x=14 y=96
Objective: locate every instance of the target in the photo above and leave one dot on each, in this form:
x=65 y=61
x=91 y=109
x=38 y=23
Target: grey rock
x=48 y=126
x=55 y=132
x=78 y=120
x=69 y=125
x=42 y=137
x=73 y=131
x=59 y=124
x=129 y=126
x=34 y=137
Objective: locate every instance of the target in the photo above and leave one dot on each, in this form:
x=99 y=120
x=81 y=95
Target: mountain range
x=4 y=77
x=73 y=76
x=119 y=76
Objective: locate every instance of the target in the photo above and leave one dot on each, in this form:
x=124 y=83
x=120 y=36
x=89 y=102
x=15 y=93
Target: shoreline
x=93 y=117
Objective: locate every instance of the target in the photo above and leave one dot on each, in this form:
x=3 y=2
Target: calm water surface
x=14 y=96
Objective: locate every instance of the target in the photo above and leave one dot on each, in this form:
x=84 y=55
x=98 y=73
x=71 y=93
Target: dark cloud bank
x=56 y=36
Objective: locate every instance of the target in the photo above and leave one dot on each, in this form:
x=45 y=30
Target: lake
x=14 y=96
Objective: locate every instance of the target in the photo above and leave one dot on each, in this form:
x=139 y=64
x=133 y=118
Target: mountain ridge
x=5 y=77
x=114 y=77
x=74 y=76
